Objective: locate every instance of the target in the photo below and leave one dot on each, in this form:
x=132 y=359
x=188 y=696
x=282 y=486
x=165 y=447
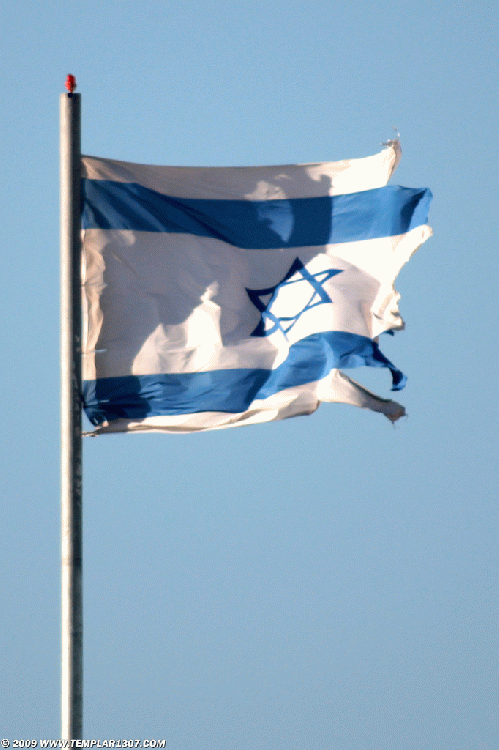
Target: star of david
x=265 y=299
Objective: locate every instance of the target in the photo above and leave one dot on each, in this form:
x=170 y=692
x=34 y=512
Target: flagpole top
x=70 y=83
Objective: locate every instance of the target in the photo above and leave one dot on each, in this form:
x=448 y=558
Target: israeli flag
x=216 y=297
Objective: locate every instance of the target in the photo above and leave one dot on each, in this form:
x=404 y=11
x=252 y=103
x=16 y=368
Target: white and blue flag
x=222 y=296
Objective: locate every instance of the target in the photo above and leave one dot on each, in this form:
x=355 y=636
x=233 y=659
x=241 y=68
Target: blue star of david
x=269 y=322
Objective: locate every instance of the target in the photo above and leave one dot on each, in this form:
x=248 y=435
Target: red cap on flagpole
x=70 y=83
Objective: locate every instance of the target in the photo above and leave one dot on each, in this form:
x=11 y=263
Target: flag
x=223 y=296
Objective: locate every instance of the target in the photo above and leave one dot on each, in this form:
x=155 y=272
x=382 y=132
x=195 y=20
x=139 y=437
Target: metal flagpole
x=71 y=444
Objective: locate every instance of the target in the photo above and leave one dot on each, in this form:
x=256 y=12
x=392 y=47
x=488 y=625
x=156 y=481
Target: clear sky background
x=324 y=583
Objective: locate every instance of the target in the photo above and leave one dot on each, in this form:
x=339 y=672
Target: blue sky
x=324 y=582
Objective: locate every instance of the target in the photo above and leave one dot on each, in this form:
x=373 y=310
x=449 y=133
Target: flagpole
x=71 y=444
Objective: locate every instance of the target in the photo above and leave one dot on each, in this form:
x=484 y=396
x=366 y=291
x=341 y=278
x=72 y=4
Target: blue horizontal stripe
x=297 y=222
x=232 y=391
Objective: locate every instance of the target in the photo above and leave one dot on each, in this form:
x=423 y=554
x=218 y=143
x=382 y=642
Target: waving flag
x=217 y=297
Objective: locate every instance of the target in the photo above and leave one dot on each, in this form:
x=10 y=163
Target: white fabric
x=175 y=303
